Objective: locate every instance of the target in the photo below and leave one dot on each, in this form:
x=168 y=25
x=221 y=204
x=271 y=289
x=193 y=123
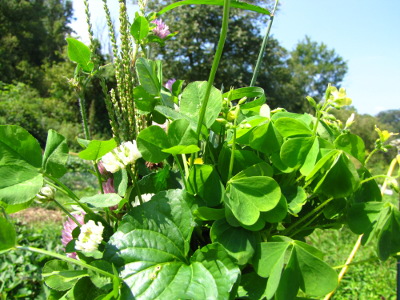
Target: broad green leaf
x=249 y=92
x=139 y=28
x=260 y=169
x=182 y=138
x=97 y=149
x=151 y=248
x=342 y=174
x=79 y=53
x=266 y=139
x=242 y=160
x=323 y=164
x=251 y=195
x=8 y=236
x=143 y=100
x=304 y=269
x=252 y=286
x=19 y=184
x=174 y=115
x=234 y=3
x=59 y=275
x=204 y=181
x=362 y=216
x=84 y=289
x=369 y=191
x=102 y=200
x=239 y=242
x=55 y=154
x=388 y=238
x=19 y=147
x=296 y=197
x=294 y=151
x=278 y=213
x=10 y=209
x=209 y=214
x=192 y=99
x=147 y=73
x=311 y=158
x=243 y=131
x=289 y=127
x=151 y=141
x=351 y=144
x=121 y=182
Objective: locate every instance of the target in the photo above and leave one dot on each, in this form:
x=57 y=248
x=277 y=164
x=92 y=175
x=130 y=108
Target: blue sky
x=365 y=33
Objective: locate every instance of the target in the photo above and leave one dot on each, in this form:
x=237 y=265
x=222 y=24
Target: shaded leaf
x=55 y=154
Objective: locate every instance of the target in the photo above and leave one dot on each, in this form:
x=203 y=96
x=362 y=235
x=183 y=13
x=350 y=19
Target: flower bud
x=46 y=193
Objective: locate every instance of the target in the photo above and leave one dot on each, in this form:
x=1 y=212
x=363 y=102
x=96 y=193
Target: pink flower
x=108 y=186
x=66 y=233
x=161 y=30
x=169 y=84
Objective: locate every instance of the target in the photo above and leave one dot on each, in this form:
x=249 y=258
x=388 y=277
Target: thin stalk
x=185 y=165
x=181 y=170
x=67 y=259
x=82 y=109
x=374 y=177
x=67 y=213
x=305 y=217
x=358 y=242
x=98 y=175
x=369 y=156
x=217 y=58
x=304 y=227
x=263 y=46
x=135 y=184
x=232 y=159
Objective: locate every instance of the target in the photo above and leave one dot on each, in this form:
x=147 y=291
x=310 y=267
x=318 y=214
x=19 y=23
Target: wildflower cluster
x=127 y=153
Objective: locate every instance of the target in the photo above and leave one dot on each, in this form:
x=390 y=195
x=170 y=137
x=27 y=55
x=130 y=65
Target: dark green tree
x=313 y=66
x=391 y=118
x=32 y=33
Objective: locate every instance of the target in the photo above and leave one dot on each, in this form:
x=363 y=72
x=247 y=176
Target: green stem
x=181 y=170
x=135 y=184
x=263 y=46
x=232 y=159
x=369 y=157
x=65 y=258
x=217 y=58
x=98 y=175
x=360 y=262
x=68 y=213
x=82 y=108
x=304 y=227
x=374 y=177
x=185 y=165
x=305 y=217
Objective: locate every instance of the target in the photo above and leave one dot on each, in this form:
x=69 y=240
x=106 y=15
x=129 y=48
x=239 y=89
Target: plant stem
x=98 y=175
x=304 y=227
x=67 y=259
x=82 y=108
x=304 y=218
x=369 y=157
x=181 y=170
x=232 y=159
x=185 y=165
x=217 y=58
x=135 y=184
x=374 y=177
x=263 y=46
x=68 y=213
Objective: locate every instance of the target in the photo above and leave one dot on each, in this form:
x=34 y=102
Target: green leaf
x=351 y=144
x=59 y=275
x=388 y=238
x=147 y=73
x=79 y=53
x=84 y=289
x=182 y=138
x=192 y=99
x=266 y=139
x=341 y=174
x=8 y=236
x=252 y=286
x=234 y=3
x=278 y=213
x=209 y=214
x=19 y=184
x=260 y=169
x=304 y=269
x=55 y=154
x=204 y=181
x=143 y=100
x=251 y=195
x=102 y=200
x=289 y=127
x=369 y=191
x=239 y=242
x=19 y=147
x=139 y=28
x=97 y=149
x=249 y=92
x=294 y=151
x=362 y=216
x=151 y=141
x=296 y=197
x=151 y=248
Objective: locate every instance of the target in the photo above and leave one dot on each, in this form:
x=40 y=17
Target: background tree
x=283 y=73
x=391 y=118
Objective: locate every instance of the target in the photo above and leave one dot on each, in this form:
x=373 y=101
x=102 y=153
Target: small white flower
x=127 y=153
x=46 y=193
x=90 y=237
x=350 y=120
x=111 y=162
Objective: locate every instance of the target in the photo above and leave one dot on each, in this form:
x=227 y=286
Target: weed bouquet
x=203 y=194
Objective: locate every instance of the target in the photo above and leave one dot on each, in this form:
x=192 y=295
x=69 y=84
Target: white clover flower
x=90 y=237
x=46 y=193
x=127 y=153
